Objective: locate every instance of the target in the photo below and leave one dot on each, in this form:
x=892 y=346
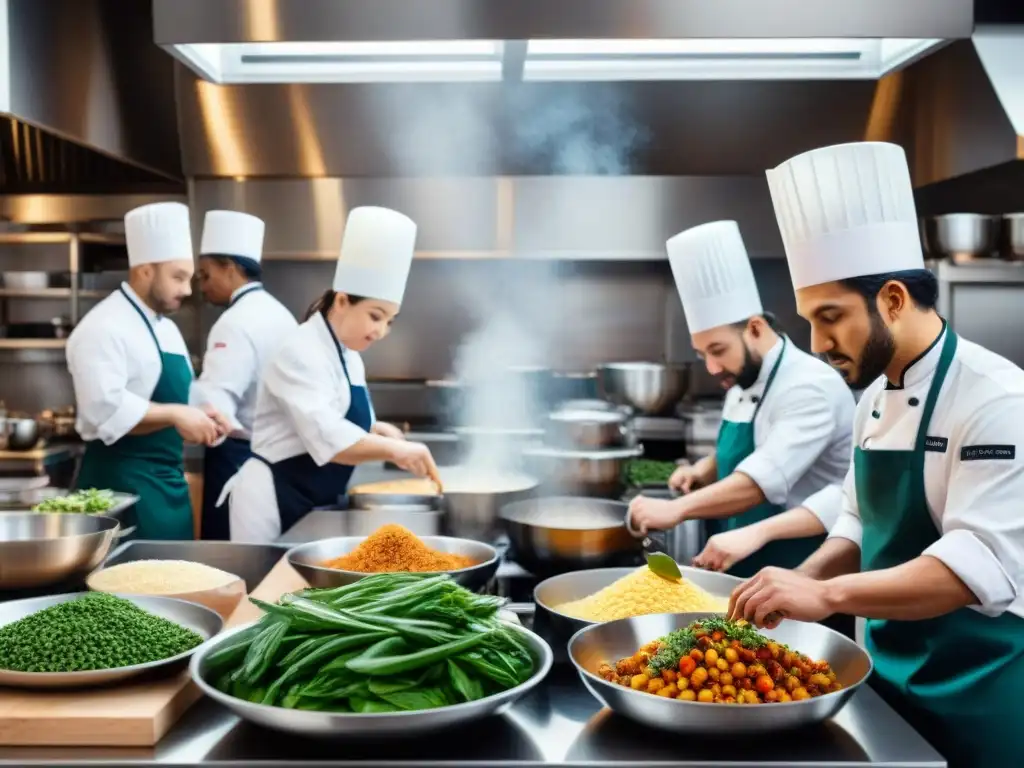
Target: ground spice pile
x=395 y=548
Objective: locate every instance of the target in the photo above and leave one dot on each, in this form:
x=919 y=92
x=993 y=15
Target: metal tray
x=250 y=562
x=23 y=501
x=199 y=619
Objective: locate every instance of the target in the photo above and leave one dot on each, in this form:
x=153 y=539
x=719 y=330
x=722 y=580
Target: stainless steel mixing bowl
x=609 y=642
x=200 y=619
x=962 y=236
x=307 y=559
x=558 y=628
x=650 y=388
x=41 y=549
x=360 y=726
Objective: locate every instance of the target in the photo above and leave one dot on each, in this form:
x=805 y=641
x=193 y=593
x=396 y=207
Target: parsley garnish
x=675 y=645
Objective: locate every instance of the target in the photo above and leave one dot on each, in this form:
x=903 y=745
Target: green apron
x=735 y=443
x=957 y=678
x=150 y=466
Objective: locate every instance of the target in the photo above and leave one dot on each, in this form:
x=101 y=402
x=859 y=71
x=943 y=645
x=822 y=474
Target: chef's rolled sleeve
x=316 y=406
x=826 y=505
x=848 y=525
x=982 y=538
x=98 y=364
x=800 y=427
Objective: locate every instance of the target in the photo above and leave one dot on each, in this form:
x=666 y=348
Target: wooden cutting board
x=136 y=715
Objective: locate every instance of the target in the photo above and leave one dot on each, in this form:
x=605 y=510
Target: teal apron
x=957 y=678
x=735 y=443
x=150 y=466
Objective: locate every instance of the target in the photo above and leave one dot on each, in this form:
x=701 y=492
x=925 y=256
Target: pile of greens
x=90 y=502
x=95 y=631
x=646 y=472
x=390 y=642
x=677 y=644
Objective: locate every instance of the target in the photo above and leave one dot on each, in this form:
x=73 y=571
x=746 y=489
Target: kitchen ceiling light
x=720 y=59
x=350 y=62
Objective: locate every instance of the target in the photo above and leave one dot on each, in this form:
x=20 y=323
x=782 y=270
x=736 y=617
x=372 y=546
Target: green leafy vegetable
x=88 y=502
x=647 y=472
x=677 y=644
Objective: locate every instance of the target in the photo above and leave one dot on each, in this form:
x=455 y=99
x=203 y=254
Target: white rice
x=159 y=577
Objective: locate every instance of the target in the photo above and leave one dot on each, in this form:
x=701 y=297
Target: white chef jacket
x=803 y=431
x=300 y=409
x=976 y=503
x=115 y=365
x=239 y=345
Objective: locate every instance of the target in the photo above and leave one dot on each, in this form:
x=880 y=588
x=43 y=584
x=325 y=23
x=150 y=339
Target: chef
x=238 y=347
x=785 y=432
x=929 y=546
x=131 y=373
x=314 y=419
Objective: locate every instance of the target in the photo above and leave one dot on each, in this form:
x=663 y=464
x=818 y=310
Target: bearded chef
x=785 y=433
x=314 y=420
x=929 y=547
x=131 y=373
x=238 y=347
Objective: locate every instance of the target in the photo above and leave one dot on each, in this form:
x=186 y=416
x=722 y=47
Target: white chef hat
x=158 y=232
x=232 y=233
x=376 y=254
x=846 y=211
x=713 y=276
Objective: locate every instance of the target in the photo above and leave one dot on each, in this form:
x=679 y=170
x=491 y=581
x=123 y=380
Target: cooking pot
x=19 y=433
x=572 y=428
x=961 y=236
x=598 y=472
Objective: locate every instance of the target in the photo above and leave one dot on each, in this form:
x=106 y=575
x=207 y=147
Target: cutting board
x=136 y=715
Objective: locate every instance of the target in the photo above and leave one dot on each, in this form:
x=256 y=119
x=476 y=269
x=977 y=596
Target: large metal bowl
x=650 y=388
x=609 y=642
x=962 y=236
x=200 y=619
x=41 y=549
x=558 y=628
x=568 y=533
x=360 y=726
x=307 y=559
x=474 y=514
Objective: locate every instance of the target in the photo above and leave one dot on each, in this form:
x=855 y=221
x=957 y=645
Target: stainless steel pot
x=595 y=472
x=565 y=533
x=650 y=388
x=572 y=428
x=475 y=515
x=19 y=433
x=1013 y=236
x=961 y=236
x=37 y=550
x=700 y=430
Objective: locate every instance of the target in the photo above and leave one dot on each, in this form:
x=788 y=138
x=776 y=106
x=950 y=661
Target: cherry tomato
x=764 y=684
x=686 y=666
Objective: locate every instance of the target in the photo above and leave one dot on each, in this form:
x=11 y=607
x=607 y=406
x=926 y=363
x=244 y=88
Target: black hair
x=250 y=268
x=769 y=318
x=325 y=301
x=921 y=284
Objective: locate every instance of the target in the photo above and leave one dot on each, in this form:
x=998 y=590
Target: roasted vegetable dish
x=90 y=502
x=388 y=643
x=716 y=661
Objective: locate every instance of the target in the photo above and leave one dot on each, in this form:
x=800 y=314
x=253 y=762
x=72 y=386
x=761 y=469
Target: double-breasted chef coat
x=239 y=345
x=312 y=405
x=791 y=433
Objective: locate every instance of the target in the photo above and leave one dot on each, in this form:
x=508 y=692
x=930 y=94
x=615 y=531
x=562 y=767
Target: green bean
x=394 y=665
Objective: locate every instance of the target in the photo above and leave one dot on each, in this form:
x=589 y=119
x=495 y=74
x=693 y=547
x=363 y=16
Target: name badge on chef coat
x=936 y=444
x=981 y=452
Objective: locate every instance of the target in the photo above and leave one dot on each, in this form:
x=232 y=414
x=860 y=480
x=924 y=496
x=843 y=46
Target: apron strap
x=243 y=292
x=149 y=326
x=771 y=378
x=945 y=360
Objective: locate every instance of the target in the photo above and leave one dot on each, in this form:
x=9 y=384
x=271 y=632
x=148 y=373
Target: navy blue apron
x=220 y=464
x=299 y=484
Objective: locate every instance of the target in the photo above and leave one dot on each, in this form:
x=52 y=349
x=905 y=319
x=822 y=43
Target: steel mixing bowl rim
x=493 y=560
x=504 y=515
x=587 y=675
x=105 y=527
x=121 y=672
x=541 y=651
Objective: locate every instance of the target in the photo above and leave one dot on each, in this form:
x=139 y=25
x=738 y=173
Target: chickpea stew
x=717 y=661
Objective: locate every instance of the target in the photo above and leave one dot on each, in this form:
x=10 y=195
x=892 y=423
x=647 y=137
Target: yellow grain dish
x=639 y=593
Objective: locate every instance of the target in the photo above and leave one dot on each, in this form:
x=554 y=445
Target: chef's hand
x=417 y=459
x=646 y=514
x=384 y=429
x=777 y=591
x=724 y=550
x=685 y=478
x=194 y=425
x=224 y=425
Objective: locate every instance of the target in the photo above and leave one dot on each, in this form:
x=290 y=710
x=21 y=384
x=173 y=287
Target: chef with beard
x=786 y=422
x=132 y=373
x=929 y=546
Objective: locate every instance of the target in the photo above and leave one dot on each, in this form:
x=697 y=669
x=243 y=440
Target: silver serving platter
x=558 y=628
x=371 y=726
x=613 y=640
x=306 y=559
x=199 y=619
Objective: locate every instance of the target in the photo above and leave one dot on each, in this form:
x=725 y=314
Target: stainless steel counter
x=560 y=724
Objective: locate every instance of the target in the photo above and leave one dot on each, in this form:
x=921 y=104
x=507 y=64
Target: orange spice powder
x=393 y=548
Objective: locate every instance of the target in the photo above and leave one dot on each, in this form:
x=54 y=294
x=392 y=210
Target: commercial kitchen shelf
x=52 y=293
x=19 y=344
x=44 y=238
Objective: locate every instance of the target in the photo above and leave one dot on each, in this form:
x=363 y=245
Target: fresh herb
x=90 y=502
x=673 y=646
x=646 y=472
x=390 y=642
x=663 y=565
